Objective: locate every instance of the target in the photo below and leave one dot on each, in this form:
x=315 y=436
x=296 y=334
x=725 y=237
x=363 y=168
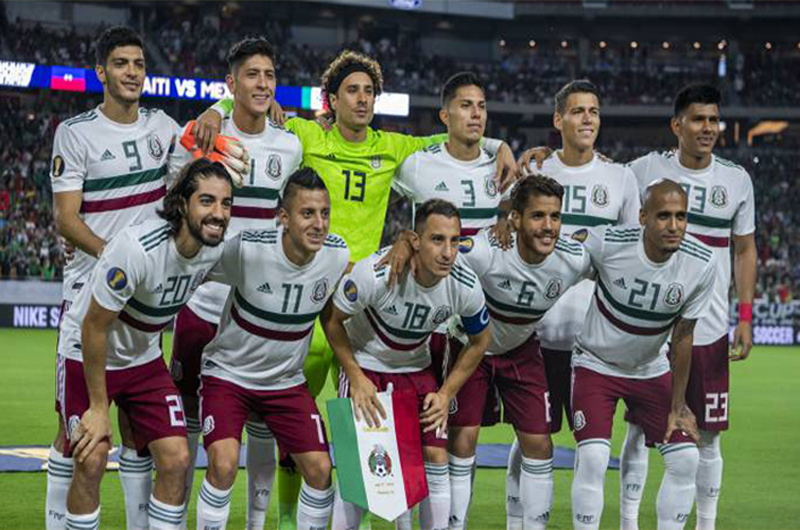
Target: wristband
x=745 y=312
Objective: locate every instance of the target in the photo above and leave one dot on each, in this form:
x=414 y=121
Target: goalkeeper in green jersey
x=358 y=164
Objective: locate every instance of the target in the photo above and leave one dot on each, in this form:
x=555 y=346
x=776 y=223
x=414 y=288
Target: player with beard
x=110 y=343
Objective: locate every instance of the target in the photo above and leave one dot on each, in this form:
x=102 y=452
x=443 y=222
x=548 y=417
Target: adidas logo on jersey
x=264 y=288
x=107 y=155
x=505 y=285
x=159 y=288
x=441 y=187
x=392 y=310
x=620 y=282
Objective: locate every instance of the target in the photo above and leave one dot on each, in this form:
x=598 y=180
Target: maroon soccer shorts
x=707 y=391
x=291 y=414
x=65 y=305
x=146 y=393
x=191 y=336
x=422 y=383
x=594 y=401
x=520 y=378
x=558 y=369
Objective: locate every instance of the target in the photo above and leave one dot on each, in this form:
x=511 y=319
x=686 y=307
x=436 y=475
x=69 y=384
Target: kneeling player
x=110 y=340
x=651 y=281
x=281 y=279
x=380 y=336
x=520 y=285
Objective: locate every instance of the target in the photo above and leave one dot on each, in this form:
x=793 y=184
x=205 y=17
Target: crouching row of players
x=652 y=281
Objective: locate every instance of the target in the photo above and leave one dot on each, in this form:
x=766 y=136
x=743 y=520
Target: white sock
x=261 y=467
x=460 y=489
x=314 y=507
x=709 y=480
x=89 y=521
x=513 y=501
x=633 y=463
x=346 y=515
x=406 y=520
x=136 y=477
x=193 y=430
x=536 y=492
x=676 y=495
x=164 y=516
x=434 y=510
x=59 y=477
x=213 y=507
x=591 y=462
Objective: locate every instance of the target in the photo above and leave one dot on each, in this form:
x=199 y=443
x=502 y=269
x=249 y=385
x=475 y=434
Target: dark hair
x=578 y=86
x=246 y=48
x=696 y=93
x=662 y=187
x=345 y=64
x=304 y=178
x=534 y=185
x=114 y=37
x=455 y=82
x=434 y=207
x=180 y=192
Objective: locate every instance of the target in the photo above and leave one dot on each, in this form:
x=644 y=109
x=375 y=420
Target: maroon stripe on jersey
x=141 y=326
x=286 y=336
x=713 y=241
x=519 y=321
x=624 y=326
x=469 y=232
x=120 y=203
x=253 y=212
x=391 y=343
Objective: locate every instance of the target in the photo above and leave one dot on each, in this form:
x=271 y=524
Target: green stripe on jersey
x=641 y=314
x=123 y=181
x=695 y=254
x=254 y=192
x=167 y=311
x=527 y=311
x=278 y=318
x=697 y=247
x=585 y=220
x=709 y=222
x=149 y=236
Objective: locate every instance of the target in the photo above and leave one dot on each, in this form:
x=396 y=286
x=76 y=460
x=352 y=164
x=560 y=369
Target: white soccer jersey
x=597 y=193
x=517 y=293
x=121 y=170
x=389 y=329
x=636 y=301
x=141 y=276
x=433 y=173
x=266 y=327
x=721 y=203
x=275 y=154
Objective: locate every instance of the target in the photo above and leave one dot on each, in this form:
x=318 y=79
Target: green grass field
x=761 y=488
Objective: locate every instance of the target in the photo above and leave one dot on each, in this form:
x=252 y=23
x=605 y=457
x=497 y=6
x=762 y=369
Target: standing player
x=520 y=285
x=110 y=343
x=596 y=192
x=108 y=171
x=380 y=337
x=721 y=213
x=274 y=155
x=358 y=164
x=281 y=280
x=653 y=281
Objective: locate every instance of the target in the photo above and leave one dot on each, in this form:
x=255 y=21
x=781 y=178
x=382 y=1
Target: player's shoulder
x=281 y=130
x=695 y=250
x=462 y=274
x=82 y=122
x=569 y=250
x=334 y=241
x=731 y=168
x=150 y=234
x=621 y=235
x=261 y=237
x=154 y=115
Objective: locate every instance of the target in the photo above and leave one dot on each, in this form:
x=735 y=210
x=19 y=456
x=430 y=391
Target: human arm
x=745 y=257
x=538 y=154
x=680 y=417
x=66 y=213
x=502 y=230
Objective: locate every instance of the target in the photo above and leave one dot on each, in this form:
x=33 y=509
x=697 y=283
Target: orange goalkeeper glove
x=228 y=151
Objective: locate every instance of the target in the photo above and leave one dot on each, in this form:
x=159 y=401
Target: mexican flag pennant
x=379 y=469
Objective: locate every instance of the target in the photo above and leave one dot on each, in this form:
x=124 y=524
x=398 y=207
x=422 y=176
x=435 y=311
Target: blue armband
x=475 y=324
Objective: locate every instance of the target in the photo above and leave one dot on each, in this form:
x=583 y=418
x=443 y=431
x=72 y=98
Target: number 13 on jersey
x=355 y=183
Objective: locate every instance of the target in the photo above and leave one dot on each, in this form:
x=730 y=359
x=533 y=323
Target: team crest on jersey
x=116 y=278
x=579 y=420
x=58 y=166
x=600 y=196
x=490 y=186
x=350 y=290
x=441 y=314
x=208 y=425
x=554 y=288
x=274 y=167
x=580 y=235
x=376 y=162
x=719 y=197
x=379 y=461
x=320 y=291
x=198 y=279
x=674 y=294
x=466 y=244
x=72 y=425
x=154 y=146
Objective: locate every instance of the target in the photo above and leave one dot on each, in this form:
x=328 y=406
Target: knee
x=709 y=446
x=592 y=461
x=434 y=455
x=94 y=465
x=317 y=473
x=462 y=441
x=176 y=462
x=222 y=470
x=538 y=446
x=682 y=463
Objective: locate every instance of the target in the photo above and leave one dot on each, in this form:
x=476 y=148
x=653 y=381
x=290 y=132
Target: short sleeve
x=179 y=157
x=640 y=167
x=308 y=132
x=223 y=107
x=476 y=251
x=406 y=175
x=698 y=301
x=744 y=221
x=357 y=289
x=68 y=166
x=594 y=243
x=406 y=145
x=228 y=269
x=629 y=214
x=118 y=272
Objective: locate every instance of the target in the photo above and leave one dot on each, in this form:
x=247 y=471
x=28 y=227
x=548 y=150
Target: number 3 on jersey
x=354 y=185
